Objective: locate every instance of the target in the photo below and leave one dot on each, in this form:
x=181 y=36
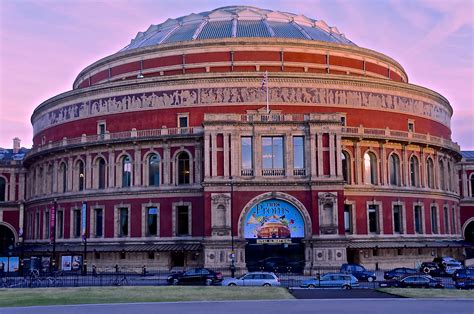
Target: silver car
x=253 y=279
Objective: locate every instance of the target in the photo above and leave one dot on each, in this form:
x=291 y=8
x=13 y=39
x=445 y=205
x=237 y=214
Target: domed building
x=176 y=150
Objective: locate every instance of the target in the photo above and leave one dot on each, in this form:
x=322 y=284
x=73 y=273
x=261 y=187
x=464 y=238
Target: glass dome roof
x=237 y=22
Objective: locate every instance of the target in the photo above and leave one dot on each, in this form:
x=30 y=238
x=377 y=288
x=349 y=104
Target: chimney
x=16 y=145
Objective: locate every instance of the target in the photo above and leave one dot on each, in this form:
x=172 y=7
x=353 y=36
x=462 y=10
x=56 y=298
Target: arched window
x=101 y=168
x=126 y=172
x=346 y=167
x=442 y=184
x=64 y=176
x=183 y=168
x=370 y=168
x=154 y=170
x=81 y=175
x=430 y=173
x=472 y=184
x=394 y=169
x=3 y=188
x=414 y=172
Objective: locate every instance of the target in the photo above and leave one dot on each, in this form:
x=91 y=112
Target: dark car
x=398 y=272
x=465 y=273
x=195 y=276
x=430 y=268
x=277 y=265
x=448 y=265
x=464 y=284
x=358 y=271
x=413 y=281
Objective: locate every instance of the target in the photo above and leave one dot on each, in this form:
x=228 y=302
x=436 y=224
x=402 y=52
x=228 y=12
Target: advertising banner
x=3 y=264
x=66 y=262
x=13 y=264
x=84 y=219
x=76 y=262
x=45 y=263
x=52 y=222
x=273 y=220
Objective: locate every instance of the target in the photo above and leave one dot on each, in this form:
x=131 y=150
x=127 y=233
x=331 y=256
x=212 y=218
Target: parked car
x=358 y=271
x=265 y=279
x=413 y=281
x=464 y=284
x=462 y=274
x=447 y=264
x=195 y=276
x=277 y=264
x=441 y=266
x=332 y=280
x=398 y=272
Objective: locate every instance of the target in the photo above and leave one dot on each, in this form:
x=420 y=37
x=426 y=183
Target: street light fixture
x=232 y=254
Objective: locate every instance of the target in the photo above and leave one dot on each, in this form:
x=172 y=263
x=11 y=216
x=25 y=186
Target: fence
x=149 y=277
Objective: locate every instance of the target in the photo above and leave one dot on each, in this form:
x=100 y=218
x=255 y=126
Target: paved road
x=365 y=306
x=301 y=293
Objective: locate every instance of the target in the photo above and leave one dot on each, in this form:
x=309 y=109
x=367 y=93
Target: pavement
x=353 y=306
x=304 y=293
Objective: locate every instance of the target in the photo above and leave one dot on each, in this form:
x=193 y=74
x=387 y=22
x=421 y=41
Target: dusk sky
x=44 y=44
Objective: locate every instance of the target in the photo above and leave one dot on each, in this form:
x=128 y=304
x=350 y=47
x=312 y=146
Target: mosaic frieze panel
x=225 y=95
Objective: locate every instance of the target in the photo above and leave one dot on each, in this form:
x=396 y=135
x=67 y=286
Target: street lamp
x=232 y=254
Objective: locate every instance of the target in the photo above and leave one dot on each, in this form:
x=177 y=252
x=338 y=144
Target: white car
x=253 y=279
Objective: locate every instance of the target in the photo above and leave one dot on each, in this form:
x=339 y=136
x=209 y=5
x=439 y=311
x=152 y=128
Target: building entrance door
x=177 y=259
x=281 y=258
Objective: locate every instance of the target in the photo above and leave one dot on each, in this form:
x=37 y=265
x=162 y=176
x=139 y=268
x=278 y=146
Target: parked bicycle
x=119 y=280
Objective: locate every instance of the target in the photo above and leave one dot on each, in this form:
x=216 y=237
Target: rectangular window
x=60 y=224
x=182 y=222
x=76 y=230
x=418 y=219
x=247 y=155
x=434 y=220
x=272 y=152
x=101 y=129
x=152 y=221
x=453 y=220
x=99 y=221
x=123 y=222
x=298 y=155
x=47 y=222
x=373 y=219
x=446 y=220
x=183 y=121
x=397 y=219
x=38 y=226
x=411 y=127
x=348 y=218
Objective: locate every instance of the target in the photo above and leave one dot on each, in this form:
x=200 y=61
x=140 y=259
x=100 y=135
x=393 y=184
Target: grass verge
x=91 y=295
x=429 y=293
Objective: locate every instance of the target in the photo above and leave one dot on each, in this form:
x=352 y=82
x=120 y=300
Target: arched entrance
x=469 y=231
x=7 y=239
x=274 y=226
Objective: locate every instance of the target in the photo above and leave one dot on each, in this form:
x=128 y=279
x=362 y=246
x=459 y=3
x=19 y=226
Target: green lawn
x=55 y=296
x=429 y=293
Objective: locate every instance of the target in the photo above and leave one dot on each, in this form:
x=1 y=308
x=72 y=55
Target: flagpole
x=268 y=106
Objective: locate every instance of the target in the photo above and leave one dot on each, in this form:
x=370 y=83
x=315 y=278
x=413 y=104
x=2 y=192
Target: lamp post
x=52 y=233
x=232 y=254
x=84 y=236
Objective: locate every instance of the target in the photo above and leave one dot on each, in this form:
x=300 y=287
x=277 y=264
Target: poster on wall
x=66 y=263
x=13 y=264
x=76 y=262
x=45 y=263
x=273 y=221
x=3 y=264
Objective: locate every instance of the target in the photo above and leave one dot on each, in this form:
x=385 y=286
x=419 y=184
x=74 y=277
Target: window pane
x=347 y=218
x=101 y=174
x=98 y=223
x=77 y=223
x=434 y=221
x=154 y=170
x=272 y=152
x=81 y=176
x=298 y=152
x=396 y=218
x=246 y=152
x=2 y=189
x=59 y=224
x=152 y=221
x=123 y=222
x=373 y=218
x=183 y=220
x=183 y=168
x=345 y=167
x=418 y=223
x=267 y=154
x=126 y=172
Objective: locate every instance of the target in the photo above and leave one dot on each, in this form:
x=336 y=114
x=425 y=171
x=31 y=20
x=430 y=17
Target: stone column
x=214 y=154
x=358 y=170
x=339 y=157
x=332 y=158
x=198 y=162
x=55 y=176
x=226 y=154
x=12 y=186
x=234 y=155
x=289 y=154
x=313 y=156
x=423 y=181
x=406 y=167
x=465 y=190
x=111 y=168
x=383 y=165
x=207 y=155
x=88 y=170
x=257 y=148
x=70 y=173
x=21 y=186
x=137 y=162
x=166 y=164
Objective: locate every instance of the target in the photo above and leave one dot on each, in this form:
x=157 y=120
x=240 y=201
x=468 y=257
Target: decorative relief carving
x=223 y=95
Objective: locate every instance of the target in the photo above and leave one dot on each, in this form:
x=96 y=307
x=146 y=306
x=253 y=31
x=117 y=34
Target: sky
x=44 y=44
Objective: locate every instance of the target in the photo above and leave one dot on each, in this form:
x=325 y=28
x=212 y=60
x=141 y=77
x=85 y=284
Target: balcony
x=246 y=172
x=117 y=137
x=273 y=172
x=299 y=172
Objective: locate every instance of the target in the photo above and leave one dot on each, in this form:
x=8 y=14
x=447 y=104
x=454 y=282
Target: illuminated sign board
x=273 y=219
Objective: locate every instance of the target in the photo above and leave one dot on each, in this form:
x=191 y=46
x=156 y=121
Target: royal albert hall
x=235 y=135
